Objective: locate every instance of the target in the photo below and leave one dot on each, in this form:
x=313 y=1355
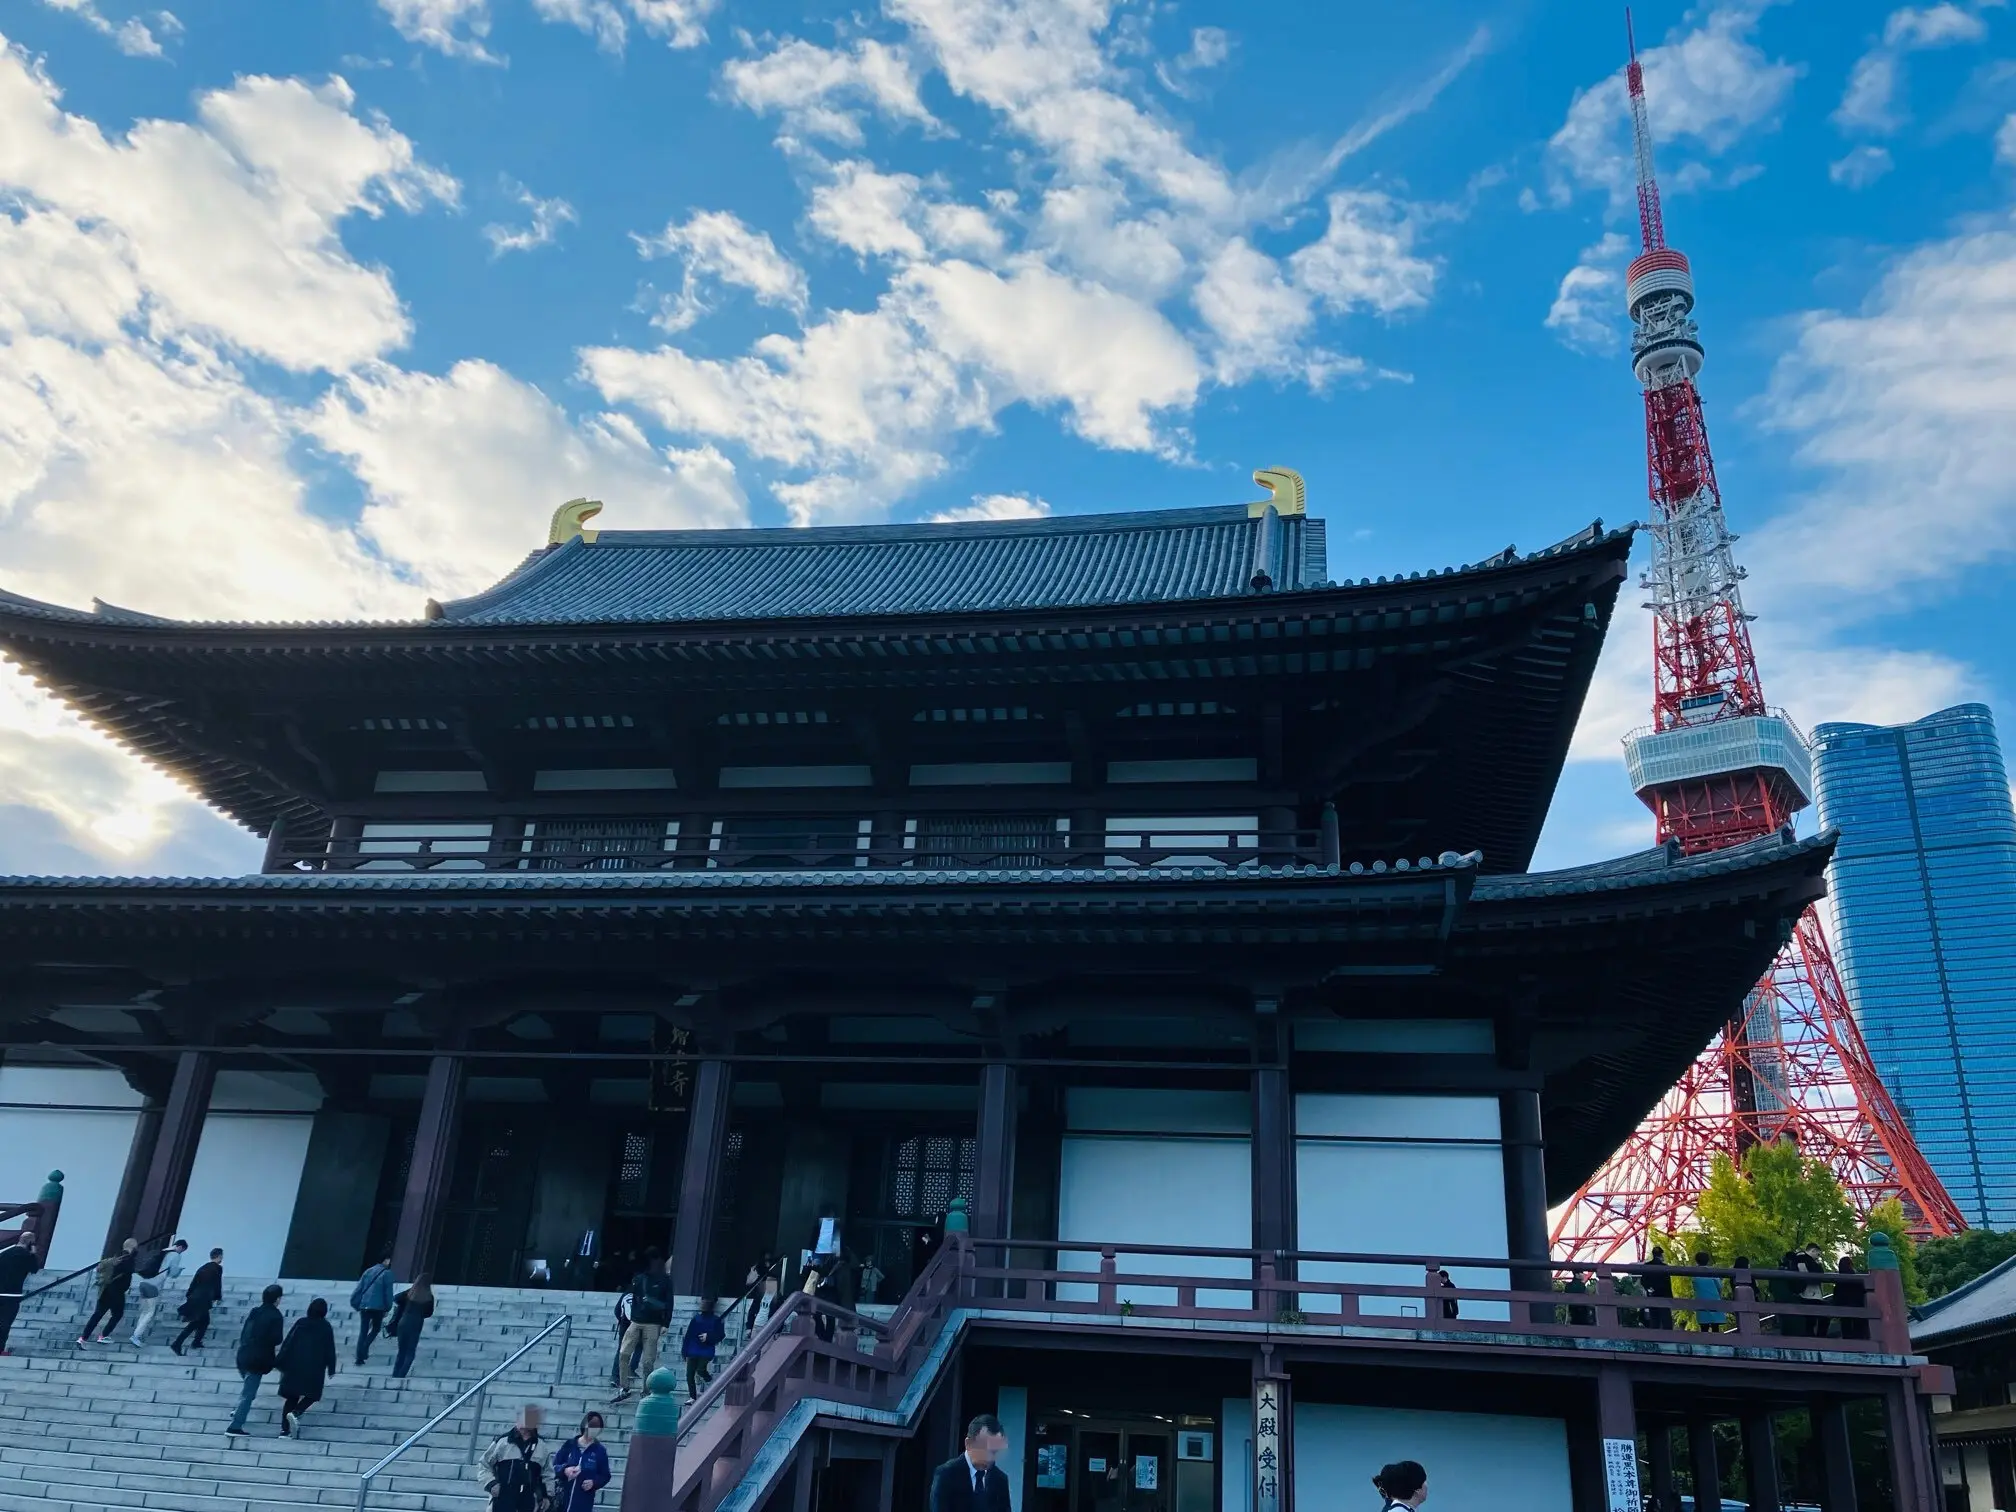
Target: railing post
x=566 y=1343
x=1893 y=1326
x=1109 y=1294
x=476 y=1422
x=648 y=1472
x=1267 y=1302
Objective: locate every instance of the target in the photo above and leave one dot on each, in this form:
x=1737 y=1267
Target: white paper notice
x=1620 y=1474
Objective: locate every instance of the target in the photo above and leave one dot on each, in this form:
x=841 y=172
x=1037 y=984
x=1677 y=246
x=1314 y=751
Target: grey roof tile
x=1074 y=560
x=1982 y=1304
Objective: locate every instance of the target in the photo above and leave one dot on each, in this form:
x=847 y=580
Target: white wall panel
x=1170 y=1189
x=243 y=1189
x=89 y=1147
x=1375 y=1180
x=1473 y=1459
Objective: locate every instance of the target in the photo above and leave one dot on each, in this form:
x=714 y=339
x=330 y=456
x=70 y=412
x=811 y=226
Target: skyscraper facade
x=1924 y=886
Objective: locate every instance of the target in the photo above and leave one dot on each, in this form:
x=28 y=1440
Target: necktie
x=977 y=1475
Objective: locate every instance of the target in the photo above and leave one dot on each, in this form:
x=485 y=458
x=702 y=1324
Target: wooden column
x=1913 y=1471
x=1707 y=1467
x=994 y=1173
x=1273 y=1140
x=433 y=1167
x=1526 y=1194
x=175 y=1147
x=1760 y=1461
x=1617 y=1428
x=139 y=1156
x=700 y=1176
x=1837 y=1459
x=1659 y=1459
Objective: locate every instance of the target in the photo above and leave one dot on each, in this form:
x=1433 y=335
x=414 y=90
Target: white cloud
x=1860 y=167
x=140 y=279
x=881 y=214
x=1041 y=337
x=1902 y=408
x=548 y=216
x=2005 y=140
x=1257 y=315
x=994 y=507
x=680 y=23
x=230 y=221
x=867 y=400
x=867 y=211
x=1869 y=103
x=1589 y=305
x=463 y=471
x=1708 y=88
x=1209 y=47
x=1365 y=258
x=454 y=27
x=717 y=248
x=822 y=92
x=133 y=36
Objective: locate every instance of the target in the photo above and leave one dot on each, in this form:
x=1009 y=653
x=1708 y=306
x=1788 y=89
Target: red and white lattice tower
x=1718 y=767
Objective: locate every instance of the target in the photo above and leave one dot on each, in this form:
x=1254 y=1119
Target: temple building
x=1113 y=880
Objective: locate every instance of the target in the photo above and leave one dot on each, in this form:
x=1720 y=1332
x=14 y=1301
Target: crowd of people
x=1840 y=1285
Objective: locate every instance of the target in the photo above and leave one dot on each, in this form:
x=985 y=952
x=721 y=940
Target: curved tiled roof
x=666 y=576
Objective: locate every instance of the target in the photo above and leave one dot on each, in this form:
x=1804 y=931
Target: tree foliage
x=1944 y=1264
x=1778 y=1200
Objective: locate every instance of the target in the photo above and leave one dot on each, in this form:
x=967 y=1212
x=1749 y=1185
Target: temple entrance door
x=489 y=1201
x=1121 y=1468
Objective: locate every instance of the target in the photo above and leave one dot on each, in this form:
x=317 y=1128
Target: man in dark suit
x=971 y=1482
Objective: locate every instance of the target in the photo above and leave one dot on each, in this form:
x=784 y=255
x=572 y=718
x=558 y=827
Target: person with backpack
x=512 y=1470
x=258 y=1345
x=206 y=1290
x=703 y=1338
x=581 y=1468
x=161 y=1272
x=410 y=1311
x=371 y=1300
x=307 y=1360
x=650 y=1313
x=115 y=1279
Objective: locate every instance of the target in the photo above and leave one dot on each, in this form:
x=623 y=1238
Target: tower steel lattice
x=1717 y=767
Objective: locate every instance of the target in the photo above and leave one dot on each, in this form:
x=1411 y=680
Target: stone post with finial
x=654 y=1437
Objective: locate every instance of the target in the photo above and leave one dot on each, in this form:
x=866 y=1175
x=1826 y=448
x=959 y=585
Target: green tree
x=1777 y=1200
x=1887 y=1218
x=1944 y=1264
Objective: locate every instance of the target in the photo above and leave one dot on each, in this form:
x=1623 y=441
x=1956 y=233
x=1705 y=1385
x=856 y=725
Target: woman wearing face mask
x=581 y=1468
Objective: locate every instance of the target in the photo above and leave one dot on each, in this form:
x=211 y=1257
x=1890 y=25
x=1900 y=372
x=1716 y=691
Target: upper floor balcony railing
x=659 y=845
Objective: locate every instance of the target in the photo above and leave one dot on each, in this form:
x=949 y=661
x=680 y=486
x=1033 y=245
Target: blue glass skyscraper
x=1924 y=884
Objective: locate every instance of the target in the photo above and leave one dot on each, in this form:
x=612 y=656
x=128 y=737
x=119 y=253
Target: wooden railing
x=786 y=1362
x=650 y=848
x=1406 y=1292
x=36 y=1218
x=882 y=1365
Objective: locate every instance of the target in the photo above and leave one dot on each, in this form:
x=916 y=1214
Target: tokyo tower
x=1718 y=767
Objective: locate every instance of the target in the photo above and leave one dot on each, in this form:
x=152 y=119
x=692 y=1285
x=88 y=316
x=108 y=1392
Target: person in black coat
x=971 y=1481
x=306 y=1361
x=410 y=1311
x=1851 y=1291
x=18 y=1262
x=115 y=1280
x=206 y=1289
x=258 y=1344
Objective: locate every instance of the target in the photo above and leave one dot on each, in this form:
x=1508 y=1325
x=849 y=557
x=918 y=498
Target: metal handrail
x=480 y=1391
x=49 y=1286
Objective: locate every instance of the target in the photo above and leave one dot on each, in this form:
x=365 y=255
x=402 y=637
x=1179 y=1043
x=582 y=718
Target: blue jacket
x=702 y=1334
x=373 y=1292
x=568 y=1495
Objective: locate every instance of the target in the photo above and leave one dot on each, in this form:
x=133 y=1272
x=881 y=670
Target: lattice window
x=633 y=1173
x=930 y=1171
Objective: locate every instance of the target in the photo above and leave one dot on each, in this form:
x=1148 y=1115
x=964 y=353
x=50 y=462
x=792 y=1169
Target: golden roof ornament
x=571 y=520
x=1287 y=490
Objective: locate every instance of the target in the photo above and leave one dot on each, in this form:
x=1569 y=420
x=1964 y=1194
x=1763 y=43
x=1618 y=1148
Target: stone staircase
x=107 y=1426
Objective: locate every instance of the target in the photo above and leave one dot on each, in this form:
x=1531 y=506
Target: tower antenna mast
x=1718 y=767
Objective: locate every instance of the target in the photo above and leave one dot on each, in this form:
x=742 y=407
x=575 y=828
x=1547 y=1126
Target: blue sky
x=318 y=308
